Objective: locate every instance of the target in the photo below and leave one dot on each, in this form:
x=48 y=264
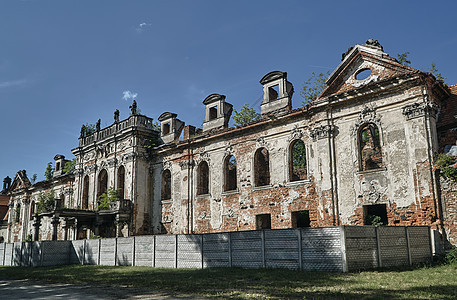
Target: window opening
x=230 y=173
x=261 y=167
x=18 y=213
x=300 y=219
x=297 y=161
x=363 y=74
x=369 y=148
x=102 y=182
x=273 y=92
x=375 y=214
x=62 y=200
x=58 y=166
x=263 y=221
x=166 y=128
x=213 y=113
x=85 y=202
x=32 y=209
x=166 y=185
x=121 y=181
x=203 y=178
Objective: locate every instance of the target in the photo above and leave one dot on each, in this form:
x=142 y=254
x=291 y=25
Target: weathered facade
x=361 y=153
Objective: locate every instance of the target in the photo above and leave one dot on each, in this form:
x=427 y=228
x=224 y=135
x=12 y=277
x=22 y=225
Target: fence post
x=343 y=248
x=262 y=238
x=201 y=250
x=99 y=251
x=230 y=248
x=115 y=252
x=41 y=252
x=176 y=251
x=378 y=246
x=430 y=242
x=133 y=252
x=153 y=251
x=408 y=248
x=300 y=248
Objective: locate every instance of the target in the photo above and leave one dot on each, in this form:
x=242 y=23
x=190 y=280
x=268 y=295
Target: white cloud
x=7 y=84
x=126 y=95
x=142 y=26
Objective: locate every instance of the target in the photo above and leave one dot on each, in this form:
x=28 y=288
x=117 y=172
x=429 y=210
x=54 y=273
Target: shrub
x=111 y=195
x=45 y=202
x=451 y=256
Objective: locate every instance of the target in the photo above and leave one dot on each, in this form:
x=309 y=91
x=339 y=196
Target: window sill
x=232 y=192
x=372 y=171
x=298 y=182
x=263 y=187
x=166 y=201
x=203 y=196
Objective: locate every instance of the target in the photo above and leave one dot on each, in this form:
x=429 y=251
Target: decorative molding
x=103 y=164
x=295 y=134
x=128 y=157
x=372 y=192
x=186 y=164
x=228 y=150
x=366 y=115
x=417 y=110
x=167 y=219
x=322 y=132
x=166 y=165
x=204 y=156
x=112 y=162
x=261 y=142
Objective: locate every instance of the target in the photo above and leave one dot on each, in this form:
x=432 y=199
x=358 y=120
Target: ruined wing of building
x=360 y=154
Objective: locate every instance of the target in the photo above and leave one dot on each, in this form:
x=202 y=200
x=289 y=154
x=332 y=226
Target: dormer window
x=170 y=127
x=273 y=92
x=217 y=112
x=166 y=128
x=58 y=166
x=277 y=93
x=213 y=113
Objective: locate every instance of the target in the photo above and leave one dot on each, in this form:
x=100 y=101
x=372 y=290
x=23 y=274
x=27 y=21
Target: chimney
x=189 y=130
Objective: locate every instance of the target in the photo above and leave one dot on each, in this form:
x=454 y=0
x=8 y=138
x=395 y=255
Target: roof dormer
x=277 y=92
x=170 y=127
x=217 y=112
x=59 y=164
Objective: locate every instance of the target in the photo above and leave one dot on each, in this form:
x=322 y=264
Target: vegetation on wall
x=69 y=166
x=245 y=115
x=46 y=202
x=403 y=59
x=447 y=164
x=88 y=129
x=111 y=195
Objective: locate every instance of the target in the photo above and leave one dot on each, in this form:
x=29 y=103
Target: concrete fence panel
x=144 y=250
x=2 y=254
x=91 y=252
x=393 y=249
x=17 y=253
x=8 y=256
x=108 y=252
x=26 y=254
x=36 y=254
x=55 y=253
x=419 y=251
x=282 y=249
x=125 y=251
x=165 y=251
x=247 y=249
x=321 y=249
x=189 y=251
x=216 y=250
x=361 y=247
x=77 y=252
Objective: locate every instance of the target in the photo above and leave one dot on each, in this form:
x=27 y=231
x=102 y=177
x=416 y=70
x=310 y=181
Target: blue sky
x=65 y=63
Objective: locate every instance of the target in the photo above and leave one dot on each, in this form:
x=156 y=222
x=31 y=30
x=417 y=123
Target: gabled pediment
x=20 y=181
x=362 y=65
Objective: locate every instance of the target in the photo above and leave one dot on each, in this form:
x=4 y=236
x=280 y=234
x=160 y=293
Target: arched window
x=203 y=178
x=121 y=181
x=85 y=202
x=166 y=185
x=297 y=161
x=102 y=182
x=370 y=154
x=62 y=200
x=32 y=209
x=18 y=213
x=230 y=173
x=261 y=167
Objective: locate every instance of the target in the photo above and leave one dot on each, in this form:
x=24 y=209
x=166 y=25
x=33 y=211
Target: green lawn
x=438 y=282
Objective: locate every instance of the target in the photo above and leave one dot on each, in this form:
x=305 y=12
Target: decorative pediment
x=366 y=115
x=362 y=65
x=296 y=133
x=20 y=181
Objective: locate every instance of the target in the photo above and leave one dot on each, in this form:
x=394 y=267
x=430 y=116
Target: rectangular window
x=273 y=92
x=300 y=219
x=213 y=113
x=263 y=221
x=375 y=214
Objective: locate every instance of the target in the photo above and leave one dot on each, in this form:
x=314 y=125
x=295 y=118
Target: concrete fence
x=341 y=249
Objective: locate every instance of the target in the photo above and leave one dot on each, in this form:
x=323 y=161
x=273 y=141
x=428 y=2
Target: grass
x=437 y=282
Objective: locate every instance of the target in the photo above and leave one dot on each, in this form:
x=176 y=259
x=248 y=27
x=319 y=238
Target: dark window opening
x=273 y=92
x=261 y=167
x=263 y=221
x=85 y=202
x=32 y=209
x=369 y=147
x=62 y=200
x=203 y=178
x=166 y=185
x=18 y=213
x=121 y=182
x=375 y=214
x=300 y=219
x=102 y=182
x=297 y=161
x=58 y=166
x=213 y=113
x=230 y=173
x=166 y=128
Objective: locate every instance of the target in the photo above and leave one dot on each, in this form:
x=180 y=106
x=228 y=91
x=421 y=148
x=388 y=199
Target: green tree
x=245 y=115
x=313 y=87
x=33 y=178
x=89 y=129
x=45 y=202
x=403 y=59
x=435 y=72
x=49 y=171
x=69 y=166
x=111 y=195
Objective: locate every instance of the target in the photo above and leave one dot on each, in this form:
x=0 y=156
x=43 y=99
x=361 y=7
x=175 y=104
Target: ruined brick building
x=362 y=152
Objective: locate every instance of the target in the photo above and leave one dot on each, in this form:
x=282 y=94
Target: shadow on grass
x=236 y=283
